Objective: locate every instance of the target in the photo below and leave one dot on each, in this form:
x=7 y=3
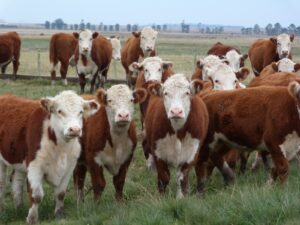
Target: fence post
x=39 y=62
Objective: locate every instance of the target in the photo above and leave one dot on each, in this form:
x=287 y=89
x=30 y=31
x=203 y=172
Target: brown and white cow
x=265 y=51
x=62 y=48
x=10 y=46
x=234 y=57
x=42 y=139
x=137 y=47
x=92 y=56
x=176 y=124
x=109 y=139
x=272 y=125
x=283 y=65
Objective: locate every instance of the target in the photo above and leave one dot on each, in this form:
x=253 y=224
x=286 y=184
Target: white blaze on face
x=116 y=48
x=286 y=65
x=120 y=105
x=67 y=110
x=223 y=77
x=148 y=39
x=85 y=42
x=209 y=62
x=234 y=60
x=176 y=92
x=283 y=45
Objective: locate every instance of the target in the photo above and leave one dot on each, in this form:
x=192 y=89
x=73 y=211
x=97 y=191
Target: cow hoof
x=150 y=164
x=59 y=214
x=32 y=219
x=65 y=82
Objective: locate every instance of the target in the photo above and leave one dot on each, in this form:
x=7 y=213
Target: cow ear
x=76 y=35
x=155 y=89
x=167 y=65
x=101 y=96
x=242 y=74
x=136 y=34
x=199 y=64
x=274 y=40
x=294 y=89
x=139 y=95
x=245 y=56
x=135 y=66
x=297 y=67
x=292 y=36
x=196 y=86
x=95 y=34
x=274 y=66
x=48 y=104
x=90 y=107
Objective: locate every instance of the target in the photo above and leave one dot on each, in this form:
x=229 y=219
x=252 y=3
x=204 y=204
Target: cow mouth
x=176 y=118
x=122 y=123
x=71 y=136
x=284 y=55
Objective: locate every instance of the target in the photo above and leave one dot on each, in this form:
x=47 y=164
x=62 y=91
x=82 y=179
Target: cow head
x=85 y=41
x=116 y=47
x=119 y=103
x=224 y=78
x=208 y=63
x=285 y=65
x=235 y=60
x=176 y=93
x=147 y=39
x=153 y=68
x=283 y=43
x=66 y=112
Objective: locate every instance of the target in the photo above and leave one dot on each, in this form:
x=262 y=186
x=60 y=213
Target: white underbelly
x=17 y=166
x=290 y=147
x=176 y=152
x=90 y=68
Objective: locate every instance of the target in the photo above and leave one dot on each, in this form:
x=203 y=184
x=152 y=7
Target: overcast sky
x=223 y=12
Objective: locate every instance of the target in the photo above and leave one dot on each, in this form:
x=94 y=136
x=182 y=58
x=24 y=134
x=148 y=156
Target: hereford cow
x=231 y=54
x=62 y=47
x=283 y=65
x=42 y=139
x=109 y=139
x=176 y=124
x=274 y=128
x=263 y=52
x=92 y=56
x=116 y=47
x=10 y=45
x=138 y=46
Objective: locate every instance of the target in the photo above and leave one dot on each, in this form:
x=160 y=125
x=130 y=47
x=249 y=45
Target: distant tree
x=100 y=27
x=59 y=23
x=277 y=28
x=65 y=26
x=117 y=27
x=243 y=30
x=158 y=28
x=256 y=29
x=82 y=25
x=292 y=28
x=135 y=27
x=165 y=27
x=88 y=25
x=71 y=27
x=76 y=26
x=53 y=26
x=111 y=28
x=128 y=27
x=93 y=27
x=207 y=30
x=269 y=29
x=104 y=27
x=153 y=26
x=47 y=24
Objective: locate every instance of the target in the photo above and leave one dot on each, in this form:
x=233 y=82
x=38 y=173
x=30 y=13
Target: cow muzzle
x=284 y=54
x=176 y=113
x=123 y=119
x=73 y=132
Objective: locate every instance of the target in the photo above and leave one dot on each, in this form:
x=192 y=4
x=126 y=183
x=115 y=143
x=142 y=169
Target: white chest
x=89 y=68
x=113 y=157
x=290 y=147
x=175 y=151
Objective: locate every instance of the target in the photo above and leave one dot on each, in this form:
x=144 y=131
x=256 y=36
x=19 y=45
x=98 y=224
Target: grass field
x=249 y=201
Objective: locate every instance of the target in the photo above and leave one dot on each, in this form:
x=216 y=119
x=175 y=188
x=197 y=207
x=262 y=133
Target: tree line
x=271 y=29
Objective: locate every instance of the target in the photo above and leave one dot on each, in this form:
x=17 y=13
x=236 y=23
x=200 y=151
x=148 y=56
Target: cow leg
x=119 y=179
x=53 y=72
x=201 y=168
x=98 y=180
x=2 y=181
x=15 y=68
x=244 y=159
x=93 y=80
x=82 y=82
x=79 y=175
x=128 y=79
x=17 y=187
x=163 y=175
x=63 y=72
x=103 y=78
x=3 y=68
x=182 y=180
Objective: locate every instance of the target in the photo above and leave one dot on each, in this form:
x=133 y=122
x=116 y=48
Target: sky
x=219 y=12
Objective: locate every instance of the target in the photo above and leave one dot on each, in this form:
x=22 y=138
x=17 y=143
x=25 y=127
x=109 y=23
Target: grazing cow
x=41 y=138
x=116 y=47
x=231 y=54
x=265 y=51
x=274 y=128
x=10 y=46
x=283 y=65
x=62 y=47
x=92 y=56
x=109 y=139
x=137 y=47
x=176 y=124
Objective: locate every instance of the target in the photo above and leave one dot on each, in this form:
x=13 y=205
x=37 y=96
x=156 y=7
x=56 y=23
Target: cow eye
x=143 y=37
x=81 y=112
x=80 y=39
x=278 y=44
x=166 y=93
x=235 y=81
x=216 y=81
x=132 y=100
x=153 y=38
x=109 y=101
x=159 y=69
x=59 y=112
x=146 y=70
x=91 y=39
x=187 y=93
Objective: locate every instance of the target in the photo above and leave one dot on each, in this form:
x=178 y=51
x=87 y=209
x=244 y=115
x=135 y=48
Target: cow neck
x=84 y=59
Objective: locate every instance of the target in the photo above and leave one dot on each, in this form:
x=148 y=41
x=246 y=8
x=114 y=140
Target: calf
x=42 y=139
x=62 y=47
x=274 y=128
x=176 y=124
x=231 y=54
x=10 y=46
x=283 y=65
x=263 y=52
x=92 y=56
x=109 y=139
x=139 y=45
